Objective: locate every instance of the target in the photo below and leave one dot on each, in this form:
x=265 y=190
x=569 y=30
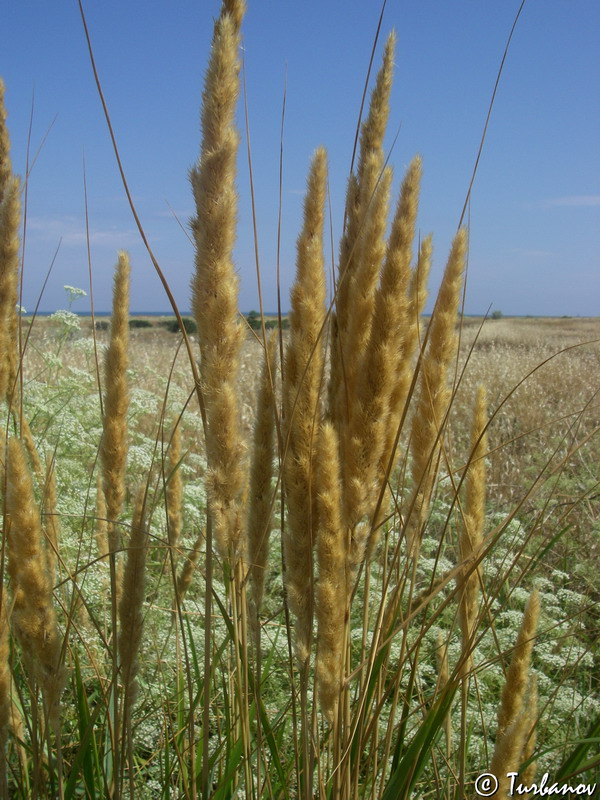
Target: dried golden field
x=540 y=374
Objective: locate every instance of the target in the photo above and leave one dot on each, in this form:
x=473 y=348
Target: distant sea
x=166 y=313
x=169 y=313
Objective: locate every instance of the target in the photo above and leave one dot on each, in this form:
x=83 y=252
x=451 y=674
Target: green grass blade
x=579 y=753
x=407 y=773
x=225 y=790
x=87 y=758
x=272 y=743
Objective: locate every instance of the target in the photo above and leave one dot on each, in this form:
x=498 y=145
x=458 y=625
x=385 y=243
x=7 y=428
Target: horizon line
x=188 y=313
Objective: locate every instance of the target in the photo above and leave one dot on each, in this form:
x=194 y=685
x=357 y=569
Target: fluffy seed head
x=5 y=696
x=331 y=590
x=369 y=447
x=5 y=164
x=184 y=579
x=215 y=283
x=359 y=199
x=131 y=617
x=33 y=611
x=514 y=725
x=260 y=511
x=301 y=402
x=471 y=533
x=113 y=450
x=518 y=672
x=434 y=394
x=10 y=214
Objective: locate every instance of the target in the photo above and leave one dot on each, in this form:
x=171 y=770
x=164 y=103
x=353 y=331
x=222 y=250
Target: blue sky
x=535 y=211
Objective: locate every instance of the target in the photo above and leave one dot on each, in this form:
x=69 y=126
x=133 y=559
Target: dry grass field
x=553 y=362
x=541 y=380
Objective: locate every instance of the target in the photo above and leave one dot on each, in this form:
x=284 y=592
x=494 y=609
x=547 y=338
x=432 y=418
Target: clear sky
x=535 y=211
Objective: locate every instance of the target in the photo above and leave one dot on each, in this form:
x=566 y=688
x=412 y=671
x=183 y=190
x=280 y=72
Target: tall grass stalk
x=33 y=615
x=5 y=689
x=215 y=307
x=113 y=457
x=131 y=620
x=10 y=210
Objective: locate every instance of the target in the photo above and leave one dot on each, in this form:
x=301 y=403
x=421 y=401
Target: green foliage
x=274 y=323
x=140 y=323
x=172 y=325
x=253 y=319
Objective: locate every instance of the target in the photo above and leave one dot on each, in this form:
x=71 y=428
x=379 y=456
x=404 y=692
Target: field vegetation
x=351 y=557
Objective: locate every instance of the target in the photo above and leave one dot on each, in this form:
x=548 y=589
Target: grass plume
x=434 y=395
x=302 y=379
x=472 y=530
x=215 y=283
x=5 y=162
x=113 y=451
x=131 y=618
x=33 y=614
x=360 y=247
x=331 y=590
x=514 y=725
x=5 y=688
x=261 y=500
x=10 y=211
